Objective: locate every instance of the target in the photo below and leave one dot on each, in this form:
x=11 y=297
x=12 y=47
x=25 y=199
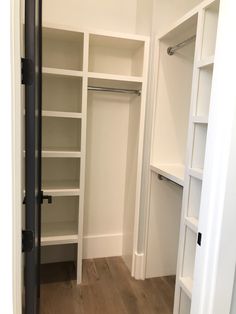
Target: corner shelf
x=186 y=283
x=174 y=172
x=61 y=114
x=54 y=71
x=59 y=233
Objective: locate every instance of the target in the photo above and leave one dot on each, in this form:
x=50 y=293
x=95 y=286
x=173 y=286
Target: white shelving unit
x=197 y=137
x=73 y=119
x=168 y=151
x=179 y=136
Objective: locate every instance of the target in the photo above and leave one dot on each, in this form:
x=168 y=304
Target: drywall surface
x=144 y=16
x=167 y=12
x=112 y=15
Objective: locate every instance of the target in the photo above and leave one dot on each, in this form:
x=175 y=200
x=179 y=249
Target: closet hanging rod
x=172 y=50
x=161 y=177
x=115 y=90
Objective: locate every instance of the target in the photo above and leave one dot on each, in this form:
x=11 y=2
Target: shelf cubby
x=188 y=261
x=199 y=146
x=210 y=29
x=195 y=189
x=62 y=49
x=173 y=97
x=185 y=303
x=61 y=134
x=60 y=173
x=204 y=91
x=60 y=221
x=118 y=56
x=62 y=93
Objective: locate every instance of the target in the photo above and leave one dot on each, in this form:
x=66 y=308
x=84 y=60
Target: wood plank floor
x=107 y=288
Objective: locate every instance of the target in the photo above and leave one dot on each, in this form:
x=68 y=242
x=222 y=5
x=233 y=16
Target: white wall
x=113 y=15
x=144 y=16
x=167 y=12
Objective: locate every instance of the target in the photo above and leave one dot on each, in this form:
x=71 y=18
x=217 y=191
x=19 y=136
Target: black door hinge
x=27 y=241
x=27 y=71
x=199 y=239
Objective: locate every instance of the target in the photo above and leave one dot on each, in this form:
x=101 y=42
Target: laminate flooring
x=107 y=288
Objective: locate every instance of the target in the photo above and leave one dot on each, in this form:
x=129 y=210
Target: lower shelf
x=186 y=283
x=59 y=233
x=173 y=172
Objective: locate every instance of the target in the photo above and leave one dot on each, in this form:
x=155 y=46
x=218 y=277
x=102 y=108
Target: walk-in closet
x=125 y=106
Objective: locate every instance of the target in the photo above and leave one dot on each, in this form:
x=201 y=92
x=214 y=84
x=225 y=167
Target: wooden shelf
x=196 y=173
x=186 y=284
x=59 y=233
x=61 y=114
x=192 y=223
x=60 y=154
x=114 y=77
x=61 y=192
x=208 y=61
x=61 y=185
x=174 y=172
x=63 y=72
x=200 y=119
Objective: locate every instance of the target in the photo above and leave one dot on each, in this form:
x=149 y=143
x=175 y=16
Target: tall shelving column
x=200 y=102
x=63 y=129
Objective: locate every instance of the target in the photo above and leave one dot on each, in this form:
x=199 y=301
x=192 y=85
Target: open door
x=31 y=67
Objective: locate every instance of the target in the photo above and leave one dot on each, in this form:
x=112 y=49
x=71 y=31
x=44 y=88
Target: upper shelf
x=173 y=172
x=63 y=49
x=117 y=56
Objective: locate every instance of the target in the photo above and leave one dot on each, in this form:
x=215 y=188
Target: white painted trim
x=155 y=58
x=139 y=260
x=17 y=154
x=83 y=157
x=102 y=245
x=10 y=267
x=140 y=152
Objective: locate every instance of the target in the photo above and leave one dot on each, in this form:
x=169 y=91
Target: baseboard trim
x=139 y=272
x=102 y=245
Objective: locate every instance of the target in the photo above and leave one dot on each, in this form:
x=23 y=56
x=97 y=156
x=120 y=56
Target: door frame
x=18 y=158
x=10 y=159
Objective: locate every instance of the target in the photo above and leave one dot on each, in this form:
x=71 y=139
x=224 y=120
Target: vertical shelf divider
x=83 y=157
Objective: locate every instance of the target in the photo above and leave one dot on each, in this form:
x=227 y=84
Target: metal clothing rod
x=161 y=177
x=114 y=90
x=172 y=50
